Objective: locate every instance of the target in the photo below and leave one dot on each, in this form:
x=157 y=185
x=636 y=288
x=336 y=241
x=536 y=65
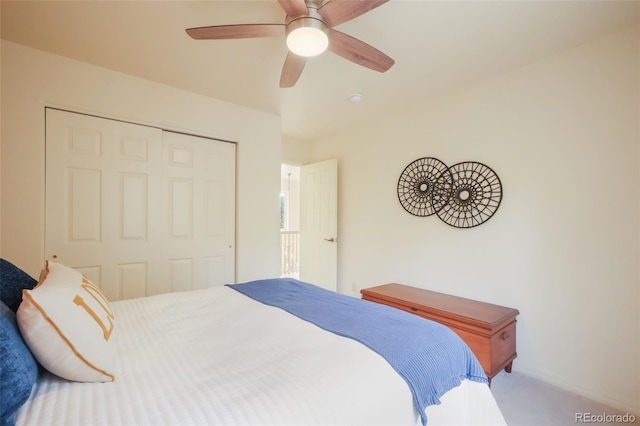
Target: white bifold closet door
x=136 y=209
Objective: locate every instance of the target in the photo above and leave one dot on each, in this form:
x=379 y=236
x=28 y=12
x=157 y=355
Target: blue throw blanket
x=429 y=356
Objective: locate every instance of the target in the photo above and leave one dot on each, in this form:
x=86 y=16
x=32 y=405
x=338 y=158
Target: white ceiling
x=437 y=45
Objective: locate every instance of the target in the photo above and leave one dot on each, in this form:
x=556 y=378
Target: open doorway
x=290 y=221
x=309 y=222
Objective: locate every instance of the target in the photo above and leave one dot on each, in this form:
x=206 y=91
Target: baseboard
x=554 y=380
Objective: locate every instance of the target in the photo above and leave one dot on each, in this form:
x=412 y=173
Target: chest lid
x=481 y=314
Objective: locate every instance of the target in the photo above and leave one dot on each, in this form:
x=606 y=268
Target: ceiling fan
x=309 y=30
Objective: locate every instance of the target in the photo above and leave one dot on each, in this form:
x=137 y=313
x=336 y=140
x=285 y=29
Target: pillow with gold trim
x=68 y=325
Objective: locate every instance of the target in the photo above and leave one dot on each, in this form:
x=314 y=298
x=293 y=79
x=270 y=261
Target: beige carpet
x=529 y=402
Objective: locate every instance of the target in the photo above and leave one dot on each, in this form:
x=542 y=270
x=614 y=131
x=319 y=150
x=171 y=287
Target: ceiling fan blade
x=218 y=32
x=294 y=7
x=293 y=66
x=336 y=12
x=358 y=51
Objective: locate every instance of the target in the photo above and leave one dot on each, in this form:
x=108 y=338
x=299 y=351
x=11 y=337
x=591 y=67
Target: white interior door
x=319 y=224
x=199 y=190
x=133 y=207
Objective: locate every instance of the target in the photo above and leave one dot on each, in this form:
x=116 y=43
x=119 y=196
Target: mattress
x=215 y=356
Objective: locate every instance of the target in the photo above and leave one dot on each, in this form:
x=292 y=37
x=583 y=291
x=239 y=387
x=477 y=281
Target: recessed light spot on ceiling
x=355 y=98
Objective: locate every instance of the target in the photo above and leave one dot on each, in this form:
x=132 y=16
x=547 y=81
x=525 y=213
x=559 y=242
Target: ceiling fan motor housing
x=316 y=33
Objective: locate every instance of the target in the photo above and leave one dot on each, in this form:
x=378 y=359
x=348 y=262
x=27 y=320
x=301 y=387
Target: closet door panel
x=133 y=207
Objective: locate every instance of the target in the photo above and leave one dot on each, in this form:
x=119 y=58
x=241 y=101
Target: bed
x=232 y=356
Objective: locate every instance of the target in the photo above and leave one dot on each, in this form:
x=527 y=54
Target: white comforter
x=217 y=357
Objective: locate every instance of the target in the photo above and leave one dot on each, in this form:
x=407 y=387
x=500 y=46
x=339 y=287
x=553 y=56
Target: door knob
x=331 y=240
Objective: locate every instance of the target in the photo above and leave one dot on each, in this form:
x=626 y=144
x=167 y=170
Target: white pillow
x=68 y=325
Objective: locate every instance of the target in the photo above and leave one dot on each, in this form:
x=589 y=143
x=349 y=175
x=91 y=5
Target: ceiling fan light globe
x=307 y=41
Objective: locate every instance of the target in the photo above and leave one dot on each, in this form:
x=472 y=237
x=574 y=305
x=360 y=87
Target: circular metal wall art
x=476 y=194
x=424 y=187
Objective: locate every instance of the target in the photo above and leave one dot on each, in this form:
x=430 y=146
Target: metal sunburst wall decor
x=424 y=186
x=464 y=195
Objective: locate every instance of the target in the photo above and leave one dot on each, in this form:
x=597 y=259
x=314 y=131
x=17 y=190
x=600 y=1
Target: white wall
x=33 y=79
x=563 y=136
x=295 y=152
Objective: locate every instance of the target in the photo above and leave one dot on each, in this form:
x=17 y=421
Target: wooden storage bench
x=489 y=330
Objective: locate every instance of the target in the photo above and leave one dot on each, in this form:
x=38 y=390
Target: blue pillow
x=12 y=281
x=18 y=368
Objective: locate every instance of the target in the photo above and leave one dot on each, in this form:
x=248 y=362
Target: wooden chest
x=489 y=330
